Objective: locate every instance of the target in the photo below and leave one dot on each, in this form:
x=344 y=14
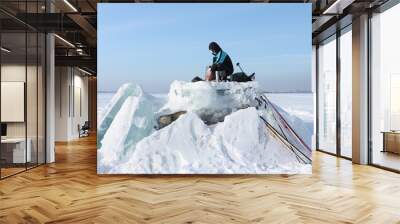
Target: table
x=15 y=148
x=391 y=141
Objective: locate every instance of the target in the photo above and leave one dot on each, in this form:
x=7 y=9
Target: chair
x=84 y=130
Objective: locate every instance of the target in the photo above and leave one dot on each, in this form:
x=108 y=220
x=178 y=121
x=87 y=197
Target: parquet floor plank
x=70 y=191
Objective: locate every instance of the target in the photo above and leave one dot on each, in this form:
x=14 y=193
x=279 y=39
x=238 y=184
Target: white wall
x=33 y=126
x=70 y=84
x=17 y=73
x=62 y=81
x=13 y=101
x=13 y=73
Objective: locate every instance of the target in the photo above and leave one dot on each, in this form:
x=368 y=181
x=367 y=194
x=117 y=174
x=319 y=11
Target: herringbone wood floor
x=70 y=191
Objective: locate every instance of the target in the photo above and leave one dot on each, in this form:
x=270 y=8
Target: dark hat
x=213 y=46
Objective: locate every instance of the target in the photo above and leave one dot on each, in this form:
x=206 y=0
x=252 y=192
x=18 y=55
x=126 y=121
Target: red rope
x=287 y=126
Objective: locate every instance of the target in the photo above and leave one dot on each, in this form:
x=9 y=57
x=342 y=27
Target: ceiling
x=75 y=21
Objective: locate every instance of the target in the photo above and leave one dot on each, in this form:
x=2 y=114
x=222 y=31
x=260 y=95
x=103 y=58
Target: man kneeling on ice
x=222 y=63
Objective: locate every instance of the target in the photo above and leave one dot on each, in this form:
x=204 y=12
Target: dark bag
x=196 y=79
x=241 y=77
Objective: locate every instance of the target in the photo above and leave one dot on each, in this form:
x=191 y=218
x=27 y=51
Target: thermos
x=217 y=75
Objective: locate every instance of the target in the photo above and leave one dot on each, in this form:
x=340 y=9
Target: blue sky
x=154 y=44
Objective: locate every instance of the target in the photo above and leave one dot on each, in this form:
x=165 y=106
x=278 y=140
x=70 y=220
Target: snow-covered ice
x=236 y=142
x=298 y=110
x=127 y=119
x=210 y=100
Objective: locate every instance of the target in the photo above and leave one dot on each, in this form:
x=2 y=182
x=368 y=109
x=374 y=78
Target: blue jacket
x=222 y=62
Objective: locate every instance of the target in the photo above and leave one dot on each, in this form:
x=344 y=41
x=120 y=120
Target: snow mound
x=237 y=145
x=113 y=107
x=220 y=133
x=127 y=119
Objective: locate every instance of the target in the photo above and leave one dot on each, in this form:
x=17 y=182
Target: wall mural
x=204 y=89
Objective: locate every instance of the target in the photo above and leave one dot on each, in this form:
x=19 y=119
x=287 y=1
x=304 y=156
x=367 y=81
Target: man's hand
x=209 y=75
